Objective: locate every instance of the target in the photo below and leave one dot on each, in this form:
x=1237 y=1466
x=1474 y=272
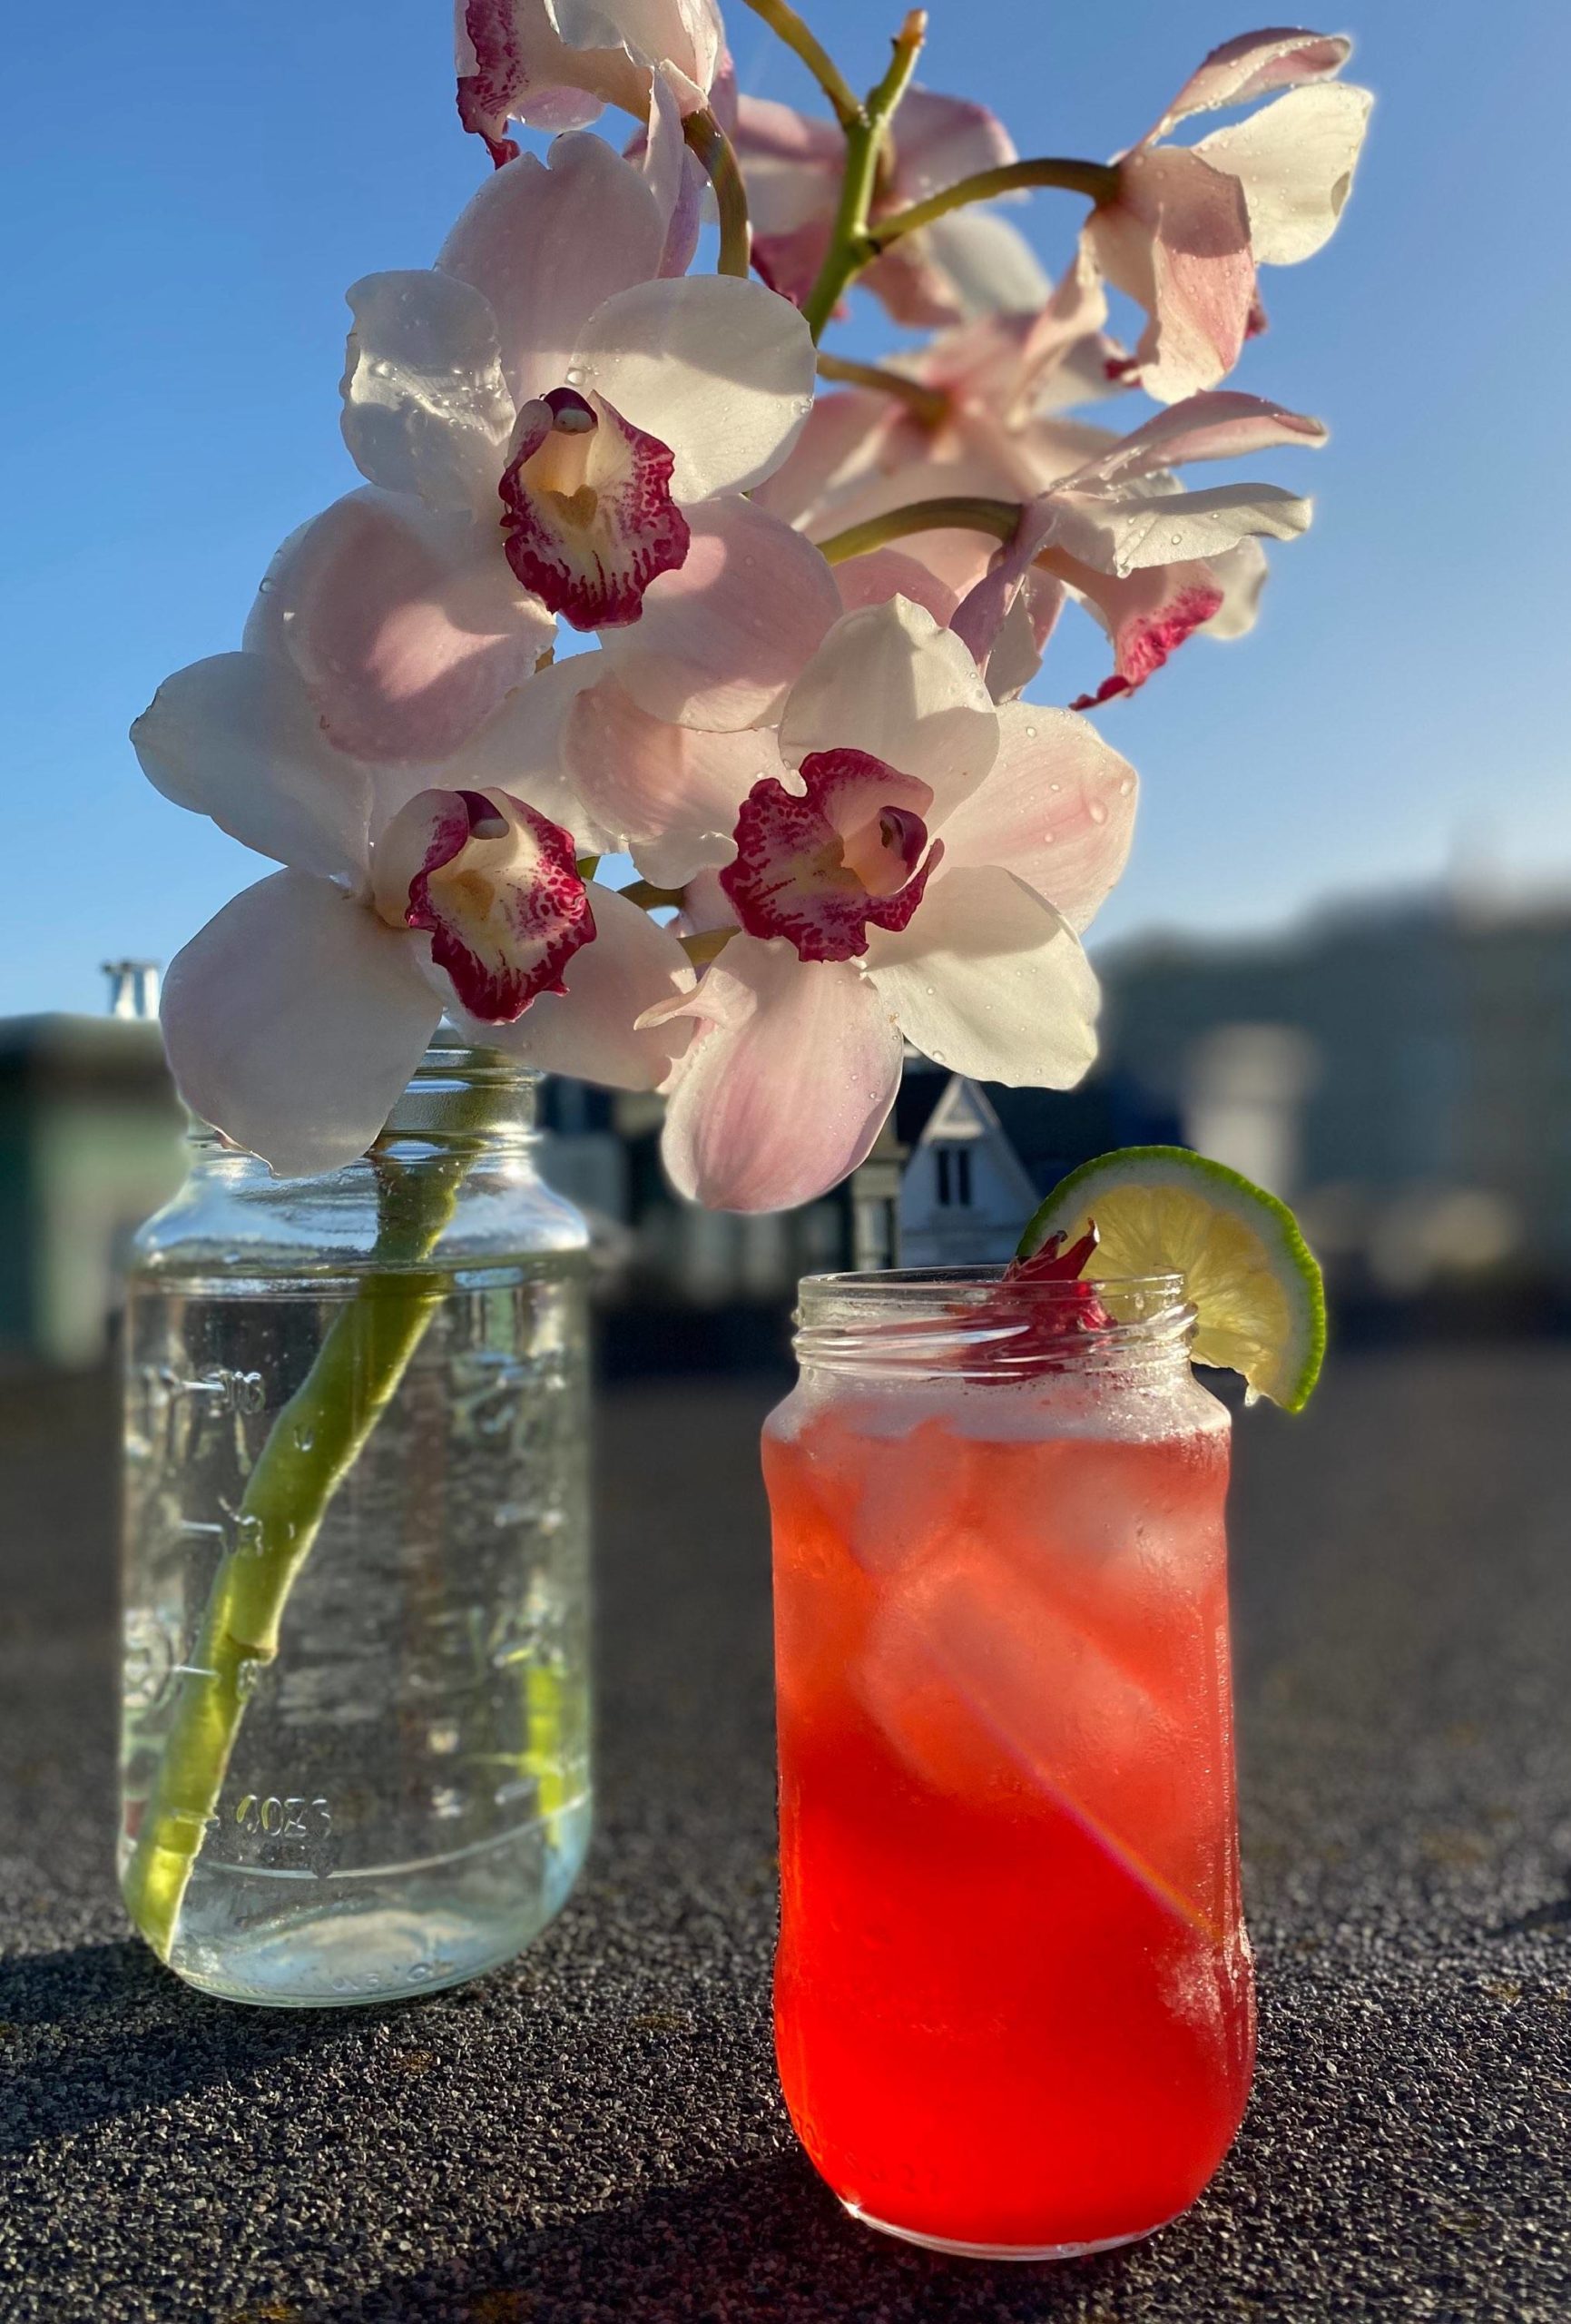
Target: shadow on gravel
x=1555 y=1913
x=765 y=2238
x=101 y=2030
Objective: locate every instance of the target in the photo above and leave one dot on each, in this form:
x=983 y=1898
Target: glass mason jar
x=1014 y=1998
x=354 y=1757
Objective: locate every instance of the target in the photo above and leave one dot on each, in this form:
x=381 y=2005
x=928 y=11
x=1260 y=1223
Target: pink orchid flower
x=547 y=423
x=555 y=63
x=793 y=165
x=294 y=1019
x=1188 y=226
x=990 y=419
x=1151 y=561
x=898 y=860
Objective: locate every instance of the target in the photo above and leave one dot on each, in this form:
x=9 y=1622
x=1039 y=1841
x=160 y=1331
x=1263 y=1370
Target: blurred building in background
x=980 y=1158
x=91 y=1140
x=1401 y=1072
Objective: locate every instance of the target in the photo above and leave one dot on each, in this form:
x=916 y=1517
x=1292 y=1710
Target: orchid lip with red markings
x=485 y=94
x=497 y=889
x=1143 y=645
x=588 y=518
x=821 y=866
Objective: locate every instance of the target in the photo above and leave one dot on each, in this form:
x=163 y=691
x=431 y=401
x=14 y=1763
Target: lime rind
x=1238 y=1248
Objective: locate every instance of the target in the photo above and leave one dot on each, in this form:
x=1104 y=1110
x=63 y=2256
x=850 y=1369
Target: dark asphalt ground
x=595 y=2134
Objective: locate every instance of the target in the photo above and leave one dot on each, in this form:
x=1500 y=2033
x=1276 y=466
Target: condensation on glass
x=356 y=1730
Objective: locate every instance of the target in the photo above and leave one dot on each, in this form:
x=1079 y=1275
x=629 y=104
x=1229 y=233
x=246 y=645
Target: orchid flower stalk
x=816 y=588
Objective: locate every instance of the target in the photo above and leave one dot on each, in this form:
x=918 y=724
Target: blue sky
x=178 y=243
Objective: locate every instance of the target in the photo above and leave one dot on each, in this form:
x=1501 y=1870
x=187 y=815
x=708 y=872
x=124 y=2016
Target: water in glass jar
x=407 y=1800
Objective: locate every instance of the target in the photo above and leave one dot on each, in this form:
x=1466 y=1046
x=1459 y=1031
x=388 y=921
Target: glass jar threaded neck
x=459 y=1093
x=972 y=1323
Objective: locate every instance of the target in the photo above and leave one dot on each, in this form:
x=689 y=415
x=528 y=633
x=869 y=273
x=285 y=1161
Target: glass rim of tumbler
x=949 y=1322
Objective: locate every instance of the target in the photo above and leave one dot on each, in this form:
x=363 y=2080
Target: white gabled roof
x=962 y=1112
x=964 y=1115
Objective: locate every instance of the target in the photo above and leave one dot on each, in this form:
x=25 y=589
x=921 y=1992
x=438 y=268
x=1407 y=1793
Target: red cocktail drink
x=1014 y=2001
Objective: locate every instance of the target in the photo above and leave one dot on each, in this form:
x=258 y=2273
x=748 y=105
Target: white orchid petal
x=891 y=682
x=989 y=981
x=592 y=1029
x=236 y=738
x=1176 y=240
x=721 y=370
x=720 y=639
x=884 y=573
x=1295 y=160
x=523 y=749
x=514 y=65
x=840 y=447
x=1121 y=534
x=685 y=33
x=774 y=1104
x=405 y=623
x=988 y=263
x=293 y=1021
x=792 y=164
x=426 y=406
x=545 y=242
x=670 y=794
x=1241 y=573
x=1058 y=811
x=938 y=140
x=1254 y=64
x=1221 y=425
x=675 y=177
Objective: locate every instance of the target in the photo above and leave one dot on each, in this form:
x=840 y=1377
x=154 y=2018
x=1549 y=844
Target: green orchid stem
x=1097 y=180
x=999 y=517
x=713 y=148
x=311 y=1447
x=789 y=27
x=649 y=898
x=849 y=249
x=928 y=404
x=707 y=945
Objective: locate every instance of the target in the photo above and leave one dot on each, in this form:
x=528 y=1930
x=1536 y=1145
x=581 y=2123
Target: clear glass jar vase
x=1014 y=1997
x=356 y=1732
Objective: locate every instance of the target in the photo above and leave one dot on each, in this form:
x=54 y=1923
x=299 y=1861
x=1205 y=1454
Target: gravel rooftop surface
x=595 y=2134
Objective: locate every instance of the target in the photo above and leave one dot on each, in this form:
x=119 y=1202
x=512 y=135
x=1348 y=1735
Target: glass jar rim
x=905 y=1321
x=978 y=1281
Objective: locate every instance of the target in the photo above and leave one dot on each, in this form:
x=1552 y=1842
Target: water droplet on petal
x=1098 y=813
x=1126 y=786
x=1055 y=786
x=1030 y=733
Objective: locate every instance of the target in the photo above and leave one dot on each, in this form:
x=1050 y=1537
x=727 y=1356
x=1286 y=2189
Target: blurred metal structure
x=133 y=988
